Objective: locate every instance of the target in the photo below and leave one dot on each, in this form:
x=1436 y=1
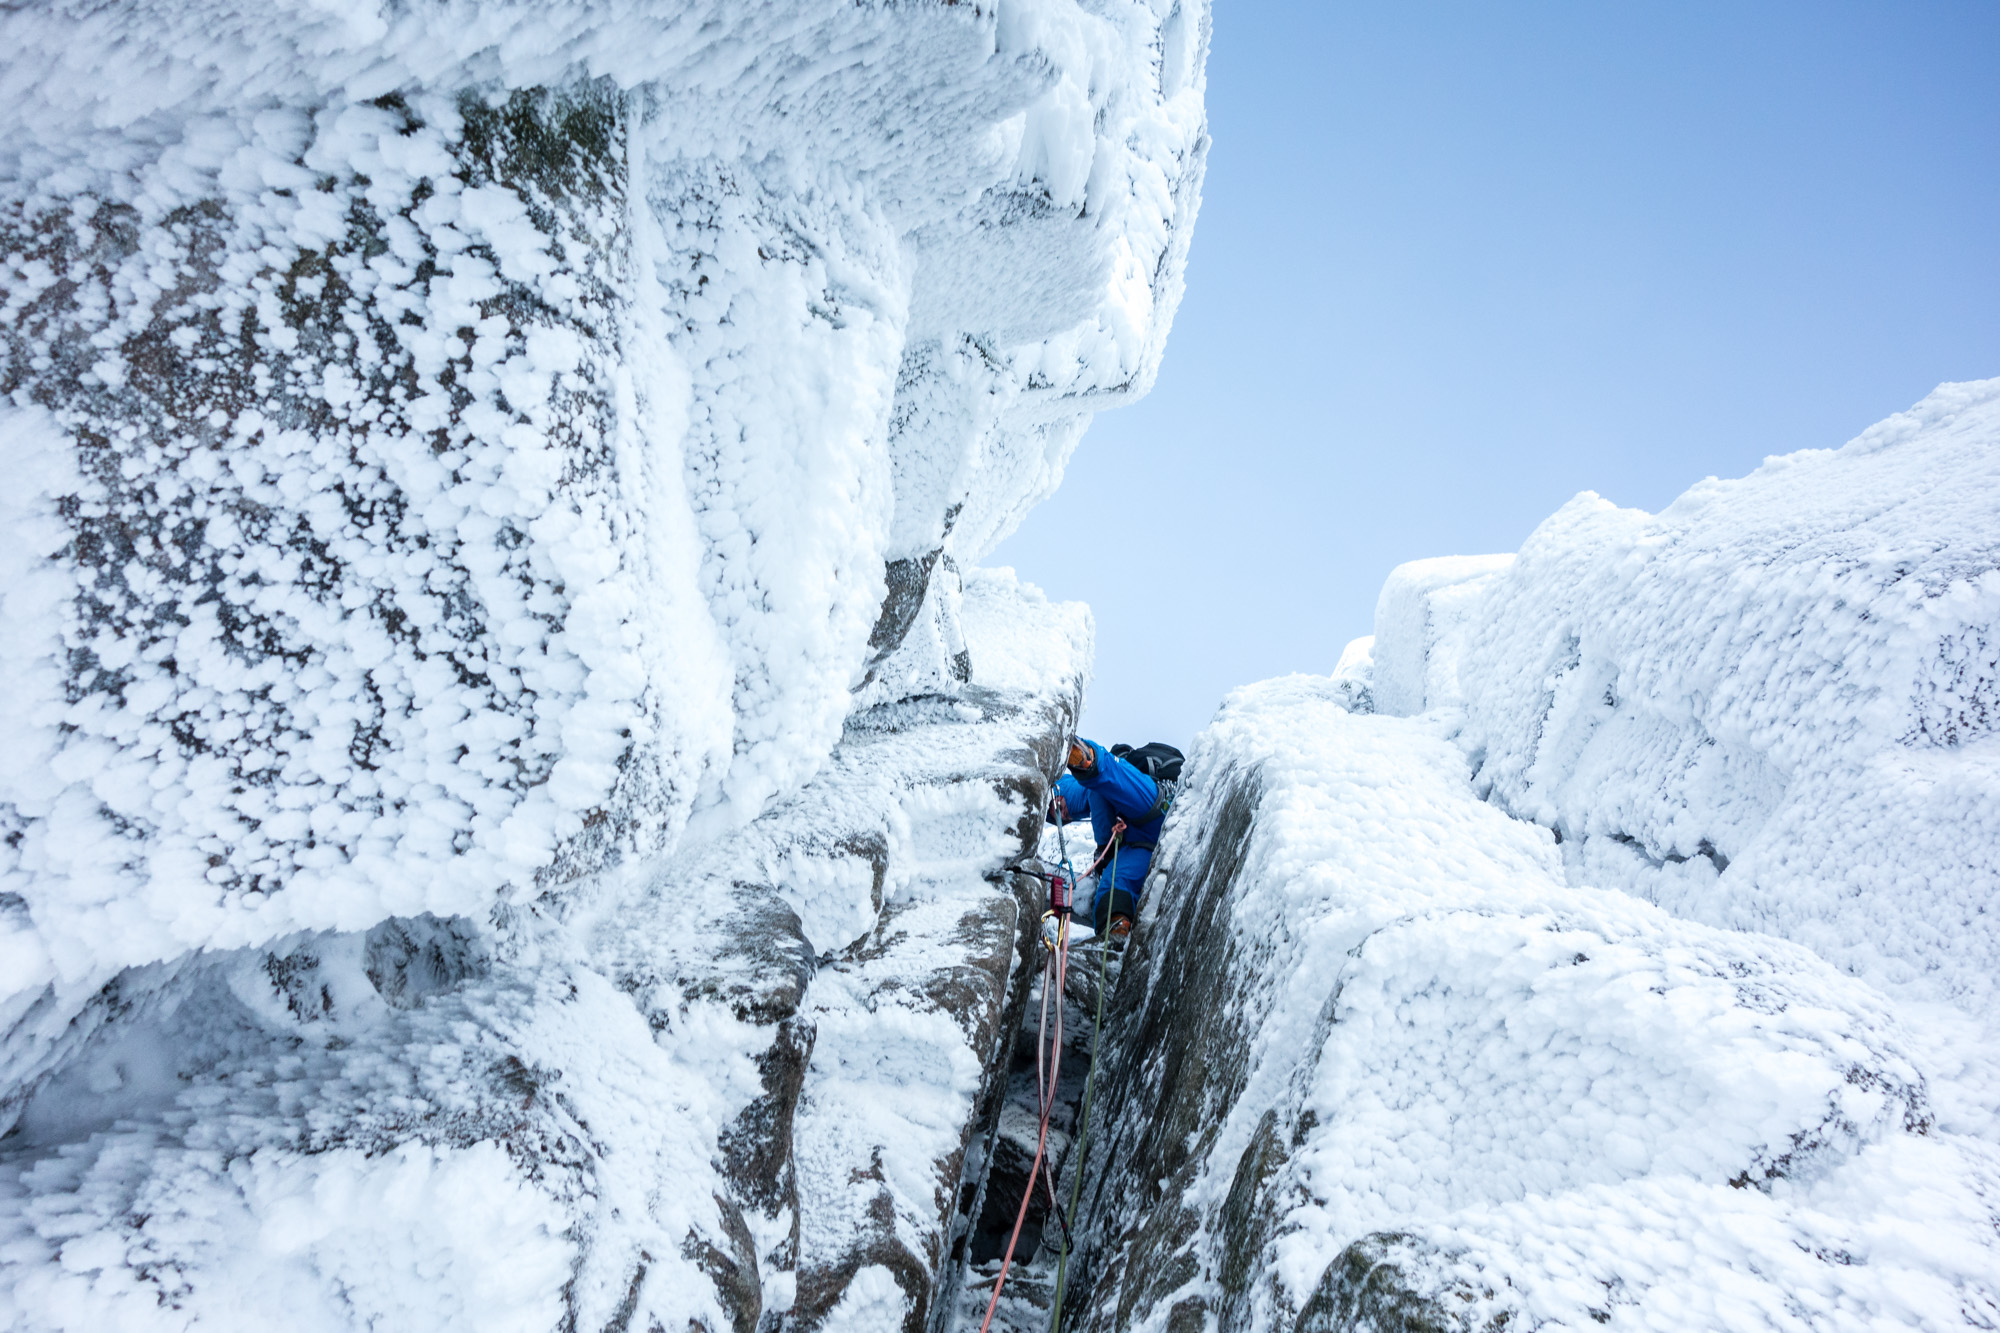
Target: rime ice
x=492 y=510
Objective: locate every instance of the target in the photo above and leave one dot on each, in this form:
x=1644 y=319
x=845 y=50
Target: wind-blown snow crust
x=1772 y=706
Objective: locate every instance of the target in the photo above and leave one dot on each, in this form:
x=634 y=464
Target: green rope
x=1089 y=1090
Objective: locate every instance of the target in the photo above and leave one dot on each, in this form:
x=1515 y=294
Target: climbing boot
x=1121 y=930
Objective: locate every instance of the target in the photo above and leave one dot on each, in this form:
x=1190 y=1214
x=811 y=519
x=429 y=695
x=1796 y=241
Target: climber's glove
x=1082 y=759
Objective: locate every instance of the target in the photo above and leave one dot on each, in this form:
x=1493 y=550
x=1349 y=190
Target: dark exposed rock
x=1244 y=1224
x=909 y=579
x=734 y=1270
x=1173 y=1071
x=408 y=958
x=1392 y=1283
x=756 y=1147
x=766 y=956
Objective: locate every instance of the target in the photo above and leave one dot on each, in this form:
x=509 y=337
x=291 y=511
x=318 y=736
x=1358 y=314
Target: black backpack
x=1158 y=761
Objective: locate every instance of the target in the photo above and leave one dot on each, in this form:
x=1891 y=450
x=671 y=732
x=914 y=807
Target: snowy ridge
x=1480 y=1018
x=463 y=447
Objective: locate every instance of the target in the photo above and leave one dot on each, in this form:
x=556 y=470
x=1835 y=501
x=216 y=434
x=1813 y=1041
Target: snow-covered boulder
x=453 y=448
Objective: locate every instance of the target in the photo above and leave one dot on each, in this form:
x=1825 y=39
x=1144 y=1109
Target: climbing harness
x=1108 y=850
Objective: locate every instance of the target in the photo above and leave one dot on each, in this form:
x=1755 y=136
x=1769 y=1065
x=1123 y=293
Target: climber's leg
x=1114 y=908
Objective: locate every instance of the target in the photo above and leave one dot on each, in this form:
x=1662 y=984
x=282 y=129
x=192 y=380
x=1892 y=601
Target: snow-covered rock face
x=1375 y=1065
x=735 y=1090
x=510 y=764
x=453 y=446
x=1459 y=1002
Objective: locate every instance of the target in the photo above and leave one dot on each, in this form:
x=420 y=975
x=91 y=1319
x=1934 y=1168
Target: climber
x=1103 y=788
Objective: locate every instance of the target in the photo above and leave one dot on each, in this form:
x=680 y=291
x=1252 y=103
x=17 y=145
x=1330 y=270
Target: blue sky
x=1456 y=263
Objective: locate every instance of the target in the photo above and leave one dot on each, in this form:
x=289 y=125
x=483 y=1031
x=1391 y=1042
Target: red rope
x=1046 y=1075
x=1057 y=969
x=1104 y=852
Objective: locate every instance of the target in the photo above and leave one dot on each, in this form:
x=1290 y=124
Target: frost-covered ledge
x=452 y=449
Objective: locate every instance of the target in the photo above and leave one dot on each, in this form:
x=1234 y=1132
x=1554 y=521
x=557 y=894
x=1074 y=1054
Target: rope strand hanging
x=1048 y=1067
x=1048 y=1063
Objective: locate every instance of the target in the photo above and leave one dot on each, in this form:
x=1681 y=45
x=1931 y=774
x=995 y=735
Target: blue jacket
x=1116 y=791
